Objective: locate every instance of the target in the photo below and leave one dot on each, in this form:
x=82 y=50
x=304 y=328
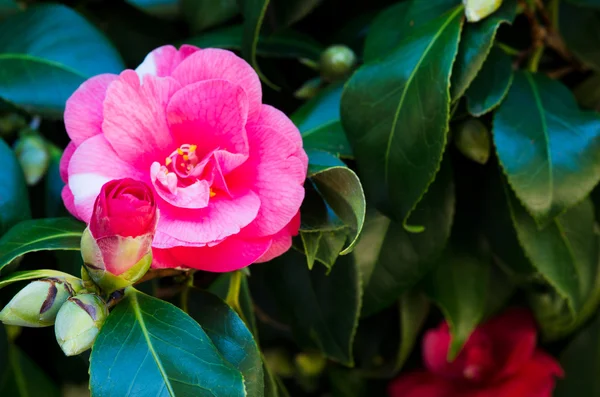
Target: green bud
x=37 y=304
x=337 y=62
x=472 y=139
x=310 y=364
x=279 y=361
x=33 y=156
x=78 y=322
x=309 y=89
x=476 y=10
x=123 y=248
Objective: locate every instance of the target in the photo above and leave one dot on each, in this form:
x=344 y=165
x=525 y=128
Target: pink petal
x=163 y=60
x=276 y=174
x=135 y=122
x=92 y=165
x=222 y=218
x=193 y=196
x=84 y=111
x=282 y=240
x=217 y=64
x=69 y=201
x=422 y=384
x=232 y=254
x=212 y=115
x=162 y=259
x=63 y=166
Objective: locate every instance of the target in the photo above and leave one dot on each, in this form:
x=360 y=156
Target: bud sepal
x=78 y=322
x=38 y=303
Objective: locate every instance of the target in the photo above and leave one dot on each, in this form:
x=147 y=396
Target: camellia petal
x=163 y=60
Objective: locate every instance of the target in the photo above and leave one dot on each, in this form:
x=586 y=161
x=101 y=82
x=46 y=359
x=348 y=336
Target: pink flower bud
x=117 y=245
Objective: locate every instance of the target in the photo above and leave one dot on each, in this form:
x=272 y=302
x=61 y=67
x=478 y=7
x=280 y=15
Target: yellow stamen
x=186 y=157
x=168 y=161
x=212 y=193
x=180 y=151
x=192 y=148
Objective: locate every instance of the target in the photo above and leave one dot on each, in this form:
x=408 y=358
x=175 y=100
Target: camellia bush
x=300 y=198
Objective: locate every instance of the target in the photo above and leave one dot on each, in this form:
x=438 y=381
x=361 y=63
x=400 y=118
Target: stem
x=233 y=294
x=534 y=61
x=185 y=293
x=508 y=49
x=162 y=273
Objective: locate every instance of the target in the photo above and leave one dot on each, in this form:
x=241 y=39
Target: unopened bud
x=78 y=323
x=33 y=156
x=473 y=140
x=337 y=62
x=38 y=303
x=476 y=10
x=310 y=364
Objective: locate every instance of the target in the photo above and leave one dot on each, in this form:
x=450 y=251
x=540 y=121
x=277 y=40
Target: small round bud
x=310 y=364
x=33 y=156
x=472 y=139
x=38 y=303
x=78 y=322
x=337 y=62
x=476 y=10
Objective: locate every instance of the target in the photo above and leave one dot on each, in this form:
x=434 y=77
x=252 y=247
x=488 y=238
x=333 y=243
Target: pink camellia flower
x=500 y=359
x=226 y=170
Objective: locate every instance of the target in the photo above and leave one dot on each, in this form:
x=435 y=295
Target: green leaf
x=319 y=122
x=23 y=378
x=284 y=13
x=310 y=241
x=403 y=258
x=581 y=362
x=286 y=44
x=38 y=235
x=395 y=112
x=550 y=152
x=148 y=346
x=459 y=287
x=491 y=84
x=587 y=93
x=230 y=336
x=322 y=309
x=565 y=252
x=204 y=14
x=160 y=8
x=254 y=13
x=414 y=308
x=399 y=21
x=475 y=45
x=220 y=288
x=32 y=275
x=46 y=52
x=580 y=29
x=340 y=189
x=14 y=199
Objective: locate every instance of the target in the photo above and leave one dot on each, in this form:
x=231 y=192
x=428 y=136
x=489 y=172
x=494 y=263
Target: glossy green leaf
x=398 y=22
x=475 y=45
x=459 y=286
x=323 y=246
x=580 y=29
x=404 y=258
x=204 y=14
x=46 y=52
x=160 y=8
x=550 y=152
x=32 y=275
x=148 y=346
x=341 y=190
x=254 y=13
x=310 y=242
x=37 y=235
x=286 y=44
x=491 y=85
x=322 y=309
x=395 y=112
x=414 y=308
x=14 y=199
x=230 y=336
x=581 y=362
x=565 y=252
x=220 y=288
x=284 y=13
x=23 y=377
x=319 y=123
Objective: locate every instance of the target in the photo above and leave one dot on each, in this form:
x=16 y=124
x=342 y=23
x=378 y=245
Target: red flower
x=125 y=208
x=500 y=359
